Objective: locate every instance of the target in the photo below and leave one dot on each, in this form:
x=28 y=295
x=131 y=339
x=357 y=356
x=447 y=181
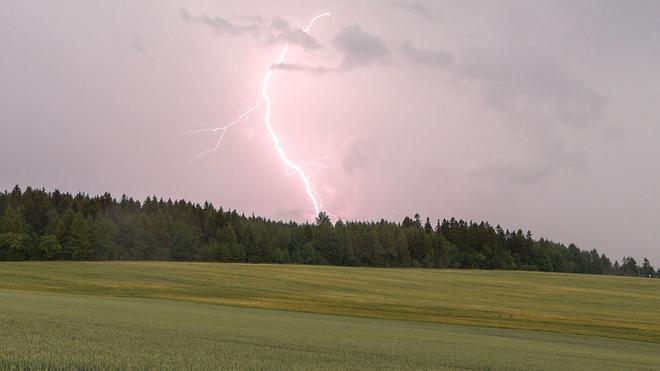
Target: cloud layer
x=360 y=48
x=414 y=7
x=437 y=58
x=540 y=115
x=274 y=31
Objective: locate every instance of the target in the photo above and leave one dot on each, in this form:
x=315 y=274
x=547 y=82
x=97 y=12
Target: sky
x=540 y=115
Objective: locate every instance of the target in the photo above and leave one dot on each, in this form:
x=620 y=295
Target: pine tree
x=428 y=228
x=646 y=269
x=35 y=224
x=105 y=238
x=14 y=235
x=225 y=246
x=79 y=240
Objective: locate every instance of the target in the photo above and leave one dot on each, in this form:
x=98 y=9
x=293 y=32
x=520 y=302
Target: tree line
x=40 y=225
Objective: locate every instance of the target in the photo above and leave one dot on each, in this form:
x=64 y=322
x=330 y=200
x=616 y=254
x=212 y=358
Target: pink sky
x=538 y=115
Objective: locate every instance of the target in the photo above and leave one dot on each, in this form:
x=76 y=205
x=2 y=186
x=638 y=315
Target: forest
x=36 y=224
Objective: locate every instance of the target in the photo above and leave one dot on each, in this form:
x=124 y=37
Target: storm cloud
x=414 y=7
x=436 y=58
x=360 y=48
x=276 y=31
x=537 y=115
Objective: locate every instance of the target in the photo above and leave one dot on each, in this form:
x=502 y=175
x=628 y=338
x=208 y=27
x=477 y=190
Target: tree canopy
x=40 y=225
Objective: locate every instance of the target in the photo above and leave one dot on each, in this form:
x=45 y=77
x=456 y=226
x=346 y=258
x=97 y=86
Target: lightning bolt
x=222 y=130
x=290 y=167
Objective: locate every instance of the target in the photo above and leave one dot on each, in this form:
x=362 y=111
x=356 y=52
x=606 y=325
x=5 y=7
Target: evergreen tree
x=428 y=228
x=35 y=224
x=647 y=270
x=14 y=234
x=79 y=241
x=105 y=238
x=629 y=267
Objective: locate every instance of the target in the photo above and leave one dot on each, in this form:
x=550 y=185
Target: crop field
x=72 y=331
x=157 y=315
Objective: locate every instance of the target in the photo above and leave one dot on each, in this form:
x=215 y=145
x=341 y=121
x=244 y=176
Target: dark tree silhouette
x=40 y=225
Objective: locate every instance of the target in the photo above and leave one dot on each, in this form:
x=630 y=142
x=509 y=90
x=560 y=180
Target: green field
x=103 y=315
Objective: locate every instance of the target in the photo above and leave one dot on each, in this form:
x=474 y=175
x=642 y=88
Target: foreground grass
x=615 y=307
x=62 y=331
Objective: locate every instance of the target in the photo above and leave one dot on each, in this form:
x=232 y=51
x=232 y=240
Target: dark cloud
x=546 y=156
x=316 y=70
x=527 y=84
x=357 y=47
x=278 y=30
x=437 y=58
x=545 y=104
x=284 y=33
x=218 y=24
x=360 y=48
x=414 y=7
x=280 y=24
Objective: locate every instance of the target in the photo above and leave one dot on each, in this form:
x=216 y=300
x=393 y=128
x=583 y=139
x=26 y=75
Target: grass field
x=100 y=315
x=51 y=331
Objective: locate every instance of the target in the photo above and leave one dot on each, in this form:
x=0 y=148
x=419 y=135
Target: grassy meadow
x=619 y=307
x=100 y=315
x=61 y=331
